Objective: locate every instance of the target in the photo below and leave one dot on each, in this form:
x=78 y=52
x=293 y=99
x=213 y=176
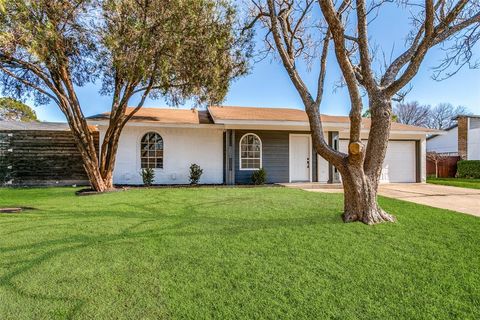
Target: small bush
x=259 y=176
x=468 y=169
x=195 y=173
x=148 y=175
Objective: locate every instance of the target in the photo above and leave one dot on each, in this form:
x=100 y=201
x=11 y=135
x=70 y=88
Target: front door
x=300 y=157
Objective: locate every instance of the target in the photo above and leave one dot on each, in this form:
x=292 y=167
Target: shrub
x=259 y=177
x=148 y=174
x=195 y=173
x=468 y=169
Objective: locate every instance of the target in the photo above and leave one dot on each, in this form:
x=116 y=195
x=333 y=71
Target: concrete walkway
x=444 y=197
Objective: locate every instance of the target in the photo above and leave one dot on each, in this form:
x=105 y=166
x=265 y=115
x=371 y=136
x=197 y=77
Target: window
x=250 y=152
x=151 y=151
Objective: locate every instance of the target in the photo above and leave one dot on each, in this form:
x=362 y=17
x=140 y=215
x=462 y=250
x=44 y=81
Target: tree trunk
x=361 y=174
x=109 y=151
x=93 y=172
x=90 y=163
x=86 y=146
x=360 y=198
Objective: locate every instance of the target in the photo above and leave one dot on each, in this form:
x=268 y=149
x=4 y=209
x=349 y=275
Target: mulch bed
x=91 y=192
x=10 y=210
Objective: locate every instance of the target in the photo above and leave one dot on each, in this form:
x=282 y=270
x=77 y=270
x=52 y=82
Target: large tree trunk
x=86 y=147
x=361 y=173
x=93 y=172
x=108 y=155
x=360 y=198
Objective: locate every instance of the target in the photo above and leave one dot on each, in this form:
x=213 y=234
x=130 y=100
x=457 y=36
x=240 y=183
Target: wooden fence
x=447 y=168
x=41 y=157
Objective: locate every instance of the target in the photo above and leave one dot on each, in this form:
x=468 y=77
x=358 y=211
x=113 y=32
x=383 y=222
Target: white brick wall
x=182 y=147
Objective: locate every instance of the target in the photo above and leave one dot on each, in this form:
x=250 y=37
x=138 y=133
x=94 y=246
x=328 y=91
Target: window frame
x=140 y=149
x=240 y=153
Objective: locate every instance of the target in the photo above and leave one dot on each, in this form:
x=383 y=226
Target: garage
x=400 y=164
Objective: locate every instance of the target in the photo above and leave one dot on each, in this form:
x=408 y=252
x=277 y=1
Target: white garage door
x=399 y=164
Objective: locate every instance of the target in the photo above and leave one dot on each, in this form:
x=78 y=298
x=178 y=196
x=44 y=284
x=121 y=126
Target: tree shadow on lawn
x=196 y=223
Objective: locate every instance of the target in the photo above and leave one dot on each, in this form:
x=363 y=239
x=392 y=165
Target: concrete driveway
x=444 y=197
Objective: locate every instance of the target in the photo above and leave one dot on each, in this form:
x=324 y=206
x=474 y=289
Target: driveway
x=445 y=197
x=438 y=196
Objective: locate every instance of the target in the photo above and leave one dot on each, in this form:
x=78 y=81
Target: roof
x=164 y=115
x=220 y=113
x=466 y=116
x=223 y=114
x=37 y=125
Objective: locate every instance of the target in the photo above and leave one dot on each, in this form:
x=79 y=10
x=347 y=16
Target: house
x=462 y=139
x=230 y=143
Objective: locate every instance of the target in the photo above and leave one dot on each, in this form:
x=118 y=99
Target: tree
x=179 y=49
x=443 y=115
x=436 y=158
x=412 y=113
x=302 y=30
x=11 y=109
x=366 y=114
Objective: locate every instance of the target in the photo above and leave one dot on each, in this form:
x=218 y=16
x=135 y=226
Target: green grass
x=456 y=182
x=224 y=253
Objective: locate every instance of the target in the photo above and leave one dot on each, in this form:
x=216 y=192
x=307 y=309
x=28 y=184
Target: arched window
x=151 y=151
x=250 y=152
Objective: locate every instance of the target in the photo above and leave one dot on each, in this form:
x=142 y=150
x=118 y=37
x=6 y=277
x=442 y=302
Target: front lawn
x=456 y=182
x=225 y=253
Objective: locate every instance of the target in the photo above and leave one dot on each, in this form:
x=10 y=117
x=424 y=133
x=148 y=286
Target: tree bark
x=85 y=146
x=360 y=198
x=361 y=177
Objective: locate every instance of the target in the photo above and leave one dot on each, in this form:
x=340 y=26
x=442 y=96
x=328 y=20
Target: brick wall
x=463 y=137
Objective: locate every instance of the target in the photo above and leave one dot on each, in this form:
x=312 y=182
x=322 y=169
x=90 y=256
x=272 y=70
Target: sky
x=268 y=85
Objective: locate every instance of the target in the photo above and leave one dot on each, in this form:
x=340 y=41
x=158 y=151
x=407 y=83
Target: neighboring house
x=229 y=143
x=39 y=154
x=462 y=139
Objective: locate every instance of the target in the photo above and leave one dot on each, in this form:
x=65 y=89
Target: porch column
x=333 y=141
x=230 y=157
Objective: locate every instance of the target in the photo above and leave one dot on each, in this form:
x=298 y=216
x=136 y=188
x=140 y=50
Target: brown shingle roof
x=164 y=115
x=284 y=114
x=257 y=114
x=219 y=113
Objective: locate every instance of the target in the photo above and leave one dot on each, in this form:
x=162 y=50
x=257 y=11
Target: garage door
x=399 y=164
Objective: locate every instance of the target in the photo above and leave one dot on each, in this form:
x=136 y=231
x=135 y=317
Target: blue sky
x=268 y=85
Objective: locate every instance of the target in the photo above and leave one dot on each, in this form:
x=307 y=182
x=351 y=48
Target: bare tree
x=442 y=116
x=299 y=29
x=412 y=113
x=436 y=158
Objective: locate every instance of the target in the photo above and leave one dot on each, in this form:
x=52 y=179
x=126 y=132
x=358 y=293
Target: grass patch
x=231 y=253
x=456 y=182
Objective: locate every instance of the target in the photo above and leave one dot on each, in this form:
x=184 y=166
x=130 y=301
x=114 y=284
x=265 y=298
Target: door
x=300 y=157
x=400 y=162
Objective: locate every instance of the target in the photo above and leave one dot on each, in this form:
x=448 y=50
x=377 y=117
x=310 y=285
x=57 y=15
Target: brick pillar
x=463 y=137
